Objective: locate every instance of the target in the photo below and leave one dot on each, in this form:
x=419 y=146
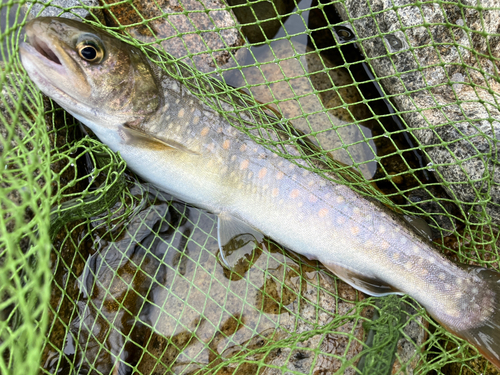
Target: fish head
x=93 y=75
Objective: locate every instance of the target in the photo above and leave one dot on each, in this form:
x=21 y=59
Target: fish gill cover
x=100 y=273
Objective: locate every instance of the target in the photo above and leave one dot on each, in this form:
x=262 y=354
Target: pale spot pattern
x=355 y=230
x=323 y=212
x=180 y=114
x=275 y=192
x=339 y=199
x=262 y=172
x=341 y=220
x=226 y=144
x=313 y=198
x=243 y=148
x=294 y=193
x=279 y=175
x=244 y=164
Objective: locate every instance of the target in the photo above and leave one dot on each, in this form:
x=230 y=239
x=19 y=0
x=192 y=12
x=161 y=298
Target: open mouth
x=43 y=49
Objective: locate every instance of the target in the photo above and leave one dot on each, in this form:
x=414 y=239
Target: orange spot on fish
x=313 y=198
x=279 y=175
x=262 y=172
x=244 y=164
x=243 y=148
x=226 y=144
x=339 y=199
x=196 y=119
x=181 y=113
x=205 y=131
x=323 y=212
x=294 y=193
x=355 y=230
x=275 y=192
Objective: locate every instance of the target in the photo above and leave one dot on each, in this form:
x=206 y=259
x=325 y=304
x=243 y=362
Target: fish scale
x=172 y=139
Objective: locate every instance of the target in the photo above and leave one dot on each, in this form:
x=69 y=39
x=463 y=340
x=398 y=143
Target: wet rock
x=450 y=106
x=208 y=28
x=261 y=11
x=304 y=77
x=65 y=8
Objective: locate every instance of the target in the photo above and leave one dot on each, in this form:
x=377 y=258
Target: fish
x=172 y=138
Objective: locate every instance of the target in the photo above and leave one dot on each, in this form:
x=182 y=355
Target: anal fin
x=367 y=284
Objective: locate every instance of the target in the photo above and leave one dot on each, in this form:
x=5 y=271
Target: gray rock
x=57 y=8
x=443 y=80
x=209 y=30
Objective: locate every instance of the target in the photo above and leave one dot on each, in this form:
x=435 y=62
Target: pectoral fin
x=139 y=138
x=236 y=239
x=367 y=284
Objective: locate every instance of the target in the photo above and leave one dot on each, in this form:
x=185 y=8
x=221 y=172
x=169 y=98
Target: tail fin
x=482 y=315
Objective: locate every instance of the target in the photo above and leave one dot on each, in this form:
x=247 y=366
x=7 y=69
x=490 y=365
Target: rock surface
x=209 y=30
x=444 y=80
x=65 y=8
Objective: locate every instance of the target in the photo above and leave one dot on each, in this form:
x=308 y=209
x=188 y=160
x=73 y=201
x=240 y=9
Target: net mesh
x=100 y=273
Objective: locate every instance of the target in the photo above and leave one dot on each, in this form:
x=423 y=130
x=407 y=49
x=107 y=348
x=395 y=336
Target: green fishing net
x=100 y=273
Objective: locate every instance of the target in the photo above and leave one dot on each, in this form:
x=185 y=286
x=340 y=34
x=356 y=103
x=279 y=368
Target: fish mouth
x=48 y=64
x=43 y=49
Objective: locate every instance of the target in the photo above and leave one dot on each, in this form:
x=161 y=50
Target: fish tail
x=479 y=322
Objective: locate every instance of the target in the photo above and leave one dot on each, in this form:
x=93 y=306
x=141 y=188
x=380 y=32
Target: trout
x=171 y=138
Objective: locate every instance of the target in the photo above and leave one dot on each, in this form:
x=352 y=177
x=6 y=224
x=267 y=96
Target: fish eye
x=90 y=51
